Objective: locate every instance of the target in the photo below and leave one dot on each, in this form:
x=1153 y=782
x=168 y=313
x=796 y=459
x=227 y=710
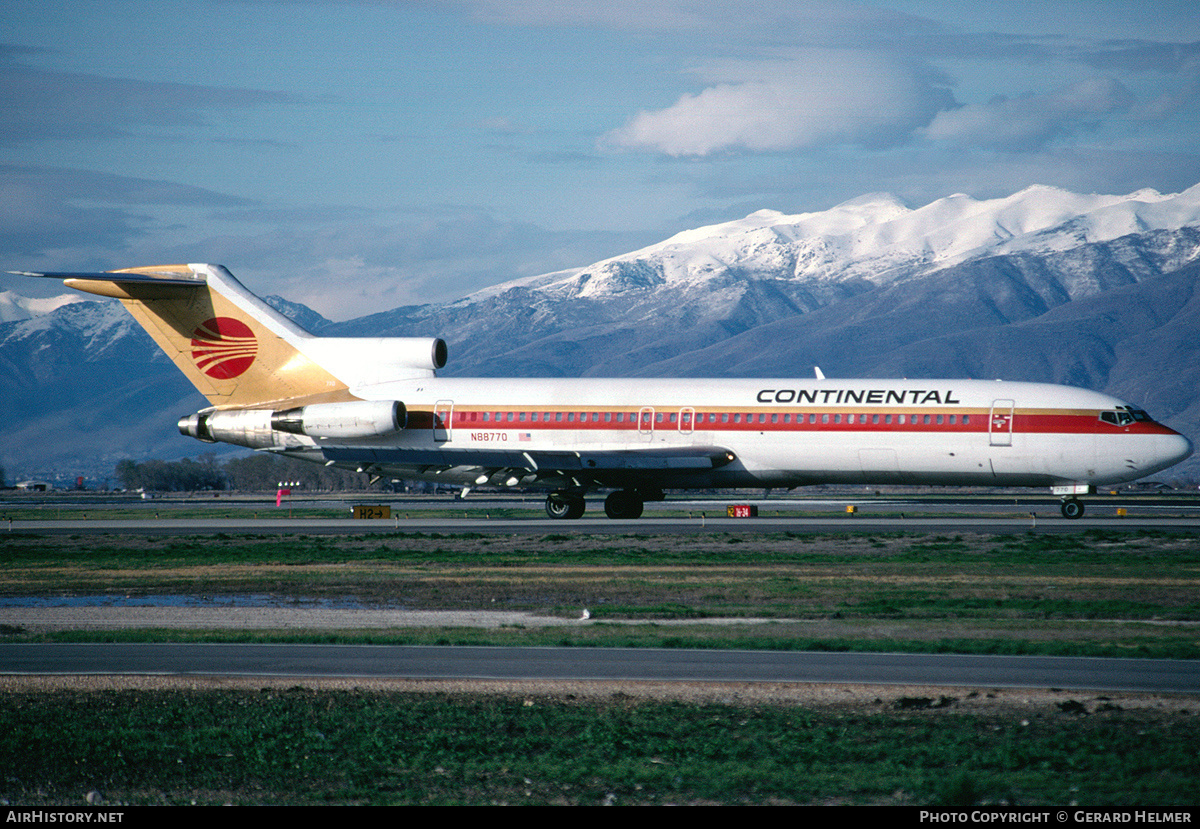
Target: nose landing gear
x=1072 y=508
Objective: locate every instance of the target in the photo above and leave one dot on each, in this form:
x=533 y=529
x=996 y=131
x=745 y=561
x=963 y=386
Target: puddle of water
x=180 y=600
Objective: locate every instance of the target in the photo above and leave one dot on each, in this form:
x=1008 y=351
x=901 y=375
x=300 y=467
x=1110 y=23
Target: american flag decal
x=223 y=348
x=524 y=436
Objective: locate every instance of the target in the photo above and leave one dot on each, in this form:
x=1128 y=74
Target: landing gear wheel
x=565 y=506
x=625 y=503
x=1072 y=508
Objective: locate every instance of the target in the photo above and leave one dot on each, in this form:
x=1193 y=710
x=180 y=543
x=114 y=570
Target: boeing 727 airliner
x=376 y=405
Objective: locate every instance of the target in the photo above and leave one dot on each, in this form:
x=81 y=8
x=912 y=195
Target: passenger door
x=1000 y=423
x=443 y=420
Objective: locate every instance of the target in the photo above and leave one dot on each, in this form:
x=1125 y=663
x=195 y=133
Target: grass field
x=309 y=746
x=1088 y=594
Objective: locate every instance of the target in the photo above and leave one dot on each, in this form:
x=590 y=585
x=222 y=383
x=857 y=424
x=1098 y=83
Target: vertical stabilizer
x=242 y=353
x=233 y=347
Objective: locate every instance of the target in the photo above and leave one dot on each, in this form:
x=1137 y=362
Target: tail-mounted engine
x=259 y=428
x=360 y=419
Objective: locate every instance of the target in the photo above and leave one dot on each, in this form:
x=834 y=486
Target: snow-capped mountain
x=14 y=307
x=1044 y=285
x=627 y=314
x=875 y=238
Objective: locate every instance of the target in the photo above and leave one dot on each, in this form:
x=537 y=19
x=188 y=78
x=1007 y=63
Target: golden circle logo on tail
x=223 y=348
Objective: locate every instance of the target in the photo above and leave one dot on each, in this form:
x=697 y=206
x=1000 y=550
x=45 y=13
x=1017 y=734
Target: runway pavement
x=648 y=664
x=488 y=513
x=600 y=524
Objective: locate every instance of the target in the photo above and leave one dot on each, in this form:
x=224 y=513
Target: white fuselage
x=789 y=432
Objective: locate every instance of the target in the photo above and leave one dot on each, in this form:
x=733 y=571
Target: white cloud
x=1030 y=121
x=820 y=97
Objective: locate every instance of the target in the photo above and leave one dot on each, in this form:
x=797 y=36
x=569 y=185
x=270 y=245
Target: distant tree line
x=261 y=471
x=172 y=476
x=256 y=472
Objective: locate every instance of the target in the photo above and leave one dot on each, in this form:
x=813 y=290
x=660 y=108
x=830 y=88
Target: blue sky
x=357 y=155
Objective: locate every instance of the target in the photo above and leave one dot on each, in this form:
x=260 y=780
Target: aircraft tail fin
x=239 y=351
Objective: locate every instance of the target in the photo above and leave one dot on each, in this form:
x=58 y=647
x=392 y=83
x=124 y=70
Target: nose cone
x=1171 y=449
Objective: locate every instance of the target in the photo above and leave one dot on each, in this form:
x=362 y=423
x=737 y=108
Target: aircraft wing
x=594 y=465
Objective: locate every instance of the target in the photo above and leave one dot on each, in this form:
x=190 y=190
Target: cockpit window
x=1126 y=415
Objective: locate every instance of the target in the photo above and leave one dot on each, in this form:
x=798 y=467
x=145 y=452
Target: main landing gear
x=565 y=505
x=624 y=503
x=1072 y=508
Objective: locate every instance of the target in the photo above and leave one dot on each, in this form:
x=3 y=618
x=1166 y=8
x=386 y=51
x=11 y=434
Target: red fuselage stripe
x=749 y=421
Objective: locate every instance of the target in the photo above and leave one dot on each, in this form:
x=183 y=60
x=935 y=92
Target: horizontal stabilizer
x=119 y=277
